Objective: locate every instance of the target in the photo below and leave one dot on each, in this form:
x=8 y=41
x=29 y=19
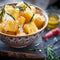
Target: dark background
x=51 y=7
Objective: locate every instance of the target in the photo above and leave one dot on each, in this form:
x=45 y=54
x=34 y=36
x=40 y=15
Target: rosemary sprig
x=2 y=12
x=51 y=55
x=19 y=7
x=10 y=15
x=27 y=5
x=31 y=18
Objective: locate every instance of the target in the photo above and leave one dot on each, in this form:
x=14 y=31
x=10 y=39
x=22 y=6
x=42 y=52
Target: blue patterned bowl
x=25 y=40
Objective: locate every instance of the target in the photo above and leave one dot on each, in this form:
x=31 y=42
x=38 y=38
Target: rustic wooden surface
x=21 y=55
x=22 y=52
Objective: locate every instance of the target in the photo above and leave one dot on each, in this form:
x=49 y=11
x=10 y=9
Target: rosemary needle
x=19 y=7
x=27 y=5
x=51 y=55
x=2 y=12
x=10 y=15
x=31 y=18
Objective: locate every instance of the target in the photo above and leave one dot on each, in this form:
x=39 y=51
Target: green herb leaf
x=31 y=18
x=10 y=15
x=50 y=53
x=2 y=12
x=19 y=7
x=27 y=5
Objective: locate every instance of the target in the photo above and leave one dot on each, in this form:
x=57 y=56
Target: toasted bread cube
x=30 y=28
x=11 y=26
x=27 y=14
x=39 y=20
x=21 y=20
x=9 y=9
x=17 y=13
x=1 y=28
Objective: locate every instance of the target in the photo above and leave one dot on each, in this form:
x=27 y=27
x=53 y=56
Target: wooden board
x=23 y=52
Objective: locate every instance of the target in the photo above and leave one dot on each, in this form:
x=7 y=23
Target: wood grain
x=21 y=55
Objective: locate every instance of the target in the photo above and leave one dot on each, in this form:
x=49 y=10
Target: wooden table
x=23 y=52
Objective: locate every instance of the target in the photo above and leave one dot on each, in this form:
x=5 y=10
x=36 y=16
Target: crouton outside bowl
x=24 y=40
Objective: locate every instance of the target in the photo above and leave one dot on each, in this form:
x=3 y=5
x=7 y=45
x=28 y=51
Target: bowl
x=25 y=40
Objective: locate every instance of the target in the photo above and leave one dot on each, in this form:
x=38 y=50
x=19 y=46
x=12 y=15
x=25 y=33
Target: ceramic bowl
x=25 y=40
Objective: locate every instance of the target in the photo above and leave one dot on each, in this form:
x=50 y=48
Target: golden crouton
x=1 y=28
x=28 y=14
x=38 y=20
x=11 y=26
x=9 y=9
x=21 y=20
x=30 y=28
x=17 y=13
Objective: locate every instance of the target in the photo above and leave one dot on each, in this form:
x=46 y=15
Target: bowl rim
x=46 y=22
